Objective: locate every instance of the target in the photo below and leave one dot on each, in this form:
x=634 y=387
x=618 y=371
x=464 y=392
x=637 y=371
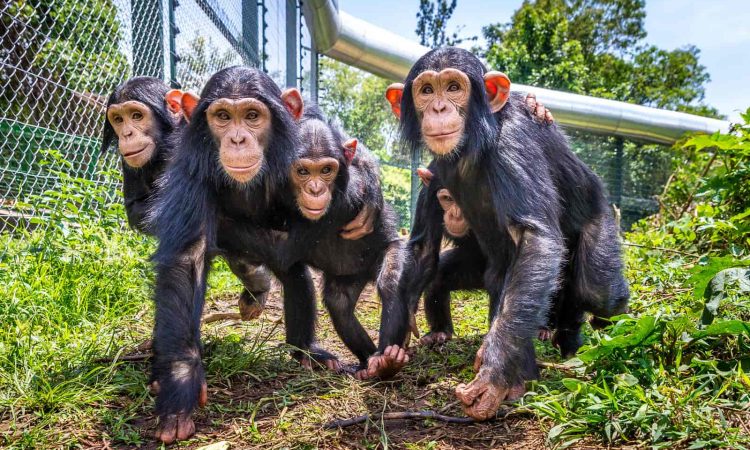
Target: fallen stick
x=406 y=415
x=133 y=357
x=216 y=317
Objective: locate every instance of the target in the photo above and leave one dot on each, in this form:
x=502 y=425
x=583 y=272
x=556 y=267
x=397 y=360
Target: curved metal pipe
x=386 y=54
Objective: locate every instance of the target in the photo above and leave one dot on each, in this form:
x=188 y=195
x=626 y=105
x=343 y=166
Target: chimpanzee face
x=314 y=183
x=314 y=173
x=441 y=99
x=443 y=93
x=455 y=223
x=241 y=128
x=136 y=129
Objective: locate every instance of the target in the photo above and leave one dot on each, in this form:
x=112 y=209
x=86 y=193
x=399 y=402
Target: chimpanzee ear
x=189 y=103
x=394 y=93
x=174 y=100
x=293 y=101
x=497 y=86
x=350 y=149
x=425 y=175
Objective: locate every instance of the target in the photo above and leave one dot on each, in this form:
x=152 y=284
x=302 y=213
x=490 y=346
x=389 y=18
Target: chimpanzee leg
x=460 y=268
x=256 y=282
x=300 y=315
x=177 y=369
x=340 y=296
x=394 y=318
x=598 y=282
x=508 y=352
x=568 y=317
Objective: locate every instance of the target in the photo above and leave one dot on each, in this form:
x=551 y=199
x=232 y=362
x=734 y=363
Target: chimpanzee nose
x=439 y=106
x=238 y=139
x=317 y=189
x=127 y=132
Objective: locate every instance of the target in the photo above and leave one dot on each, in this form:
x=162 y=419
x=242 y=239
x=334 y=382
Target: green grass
x=77 y=298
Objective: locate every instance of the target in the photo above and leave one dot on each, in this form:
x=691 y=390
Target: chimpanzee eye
x=427 y=89
x=137 y=116
x=223 y=115
x=302 y=172
x=117 y=119
x=453 y=87
x=252 y=115
x=326 y=170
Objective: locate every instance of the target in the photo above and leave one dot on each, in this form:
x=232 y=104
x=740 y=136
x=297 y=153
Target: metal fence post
x=173 y=57
x=617 y=174
x=148 y=38
x=249 y=42
x=264 y=39
x=291 y=43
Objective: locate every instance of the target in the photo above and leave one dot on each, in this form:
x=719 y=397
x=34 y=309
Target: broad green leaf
x=703 y=273
x=716 y=291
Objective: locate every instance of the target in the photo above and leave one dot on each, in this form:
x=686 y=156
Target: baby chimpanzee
x=332 y=179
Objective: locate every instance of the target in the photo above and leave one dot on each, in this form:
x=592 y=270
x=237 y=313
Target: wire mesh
x=60 y=59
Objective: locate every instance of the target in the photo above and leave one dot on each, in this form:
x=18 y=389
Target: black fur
x=348 y=265
x=200 y=212
x=532 y=206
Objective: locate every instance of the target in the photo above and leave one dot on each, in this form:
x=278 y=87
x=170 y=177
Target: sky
x=719 y=28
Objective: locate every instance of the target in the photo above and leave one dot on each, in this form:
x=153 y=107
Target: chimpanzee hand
x=482 y=397
x=537 y=109
x=362 y=225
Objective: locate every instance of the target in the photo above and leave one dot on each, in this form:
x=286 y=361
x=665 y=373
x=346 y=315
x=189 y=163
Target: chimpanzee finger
x=479 y=358
x=540 y=111
x=203 y=396
x=531 y=101
x=548 y=116
x=154 y=387
x=167 y=429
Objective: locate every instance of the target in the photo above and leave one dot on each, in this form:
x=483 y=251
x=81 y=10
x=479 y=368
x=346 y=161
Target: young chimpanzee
x=219 y=196
x=526 y=197
x=143 y=118
x=331 y=179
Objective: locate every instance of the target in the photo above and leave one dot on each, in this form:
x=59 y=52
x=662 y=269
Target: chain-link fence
x=60 y=59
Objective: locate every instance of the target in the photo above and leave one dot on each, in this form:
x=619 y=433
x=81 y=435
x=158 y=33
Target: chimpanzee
x=220 y=196
x=527 y=199
x=143 y=117
x=331 y=179
x=462 y=266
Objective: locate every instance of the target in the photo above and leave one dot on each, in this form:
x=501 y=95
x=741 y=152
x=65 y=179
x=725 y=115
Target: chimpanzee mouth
x=442 y=135
x=243 y=169
x=137 y=152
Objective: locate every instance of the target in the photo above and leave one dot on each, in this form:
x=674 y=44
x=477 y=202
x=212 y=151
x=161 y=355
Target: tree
x=596 y=47
x=432 y=21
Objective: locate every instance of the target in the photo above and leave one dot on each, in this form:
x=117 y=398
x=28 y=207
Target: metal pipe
x=386 y=54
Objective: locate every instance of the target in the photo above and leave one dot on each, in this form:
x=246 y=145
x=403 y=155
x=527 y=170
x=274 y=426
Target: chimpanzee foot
x=385 y=365
x=317 y=358
x=478 y=358
x=250 y=308
x=481 y=399
x=516 y=392
x=175 y=427
x=545 y=334
x=435 y=338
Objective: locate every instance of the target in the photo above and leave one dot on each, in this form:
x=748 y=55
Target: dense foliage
x=596 y=47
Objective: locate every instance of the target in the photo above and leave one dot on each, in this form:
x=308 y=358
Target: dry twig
x=407 y=415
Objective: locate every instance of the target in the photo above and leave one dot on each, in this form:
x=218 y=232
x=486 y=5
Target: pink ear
x=189 y=103
x=350 y=149
x=174 y=99
x=497 y=86
x=394 y=93
x=293 y=101
x=425 y=175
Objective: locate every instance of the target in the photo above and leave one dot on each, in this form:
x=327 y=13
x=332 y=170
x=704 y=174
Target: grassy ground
x=76 y=304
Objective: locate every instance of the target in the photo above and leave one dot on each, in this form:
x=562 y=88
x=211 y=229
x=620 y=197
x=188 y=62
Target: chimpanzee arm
x=423 y=249
x=137 y=193
x=185 y=217
x=364 y=176
x=523 y=302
